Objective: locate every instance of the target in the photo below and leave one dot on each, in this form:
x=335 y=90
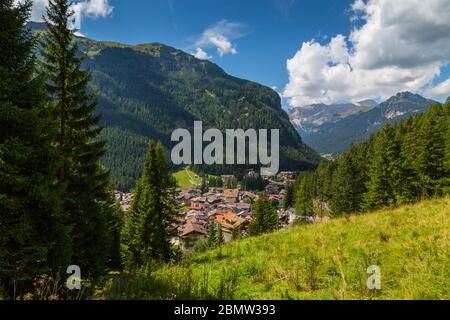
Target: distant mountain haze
x=333 y=129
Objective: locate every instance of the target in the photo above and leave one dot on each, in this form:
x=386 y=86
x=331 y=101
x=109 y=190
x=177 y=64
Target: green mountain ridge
x=146 y=91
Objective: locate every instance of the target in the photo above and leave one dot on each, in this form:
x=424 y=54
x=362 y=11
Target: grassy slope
x=187 y=178
x=324 y=261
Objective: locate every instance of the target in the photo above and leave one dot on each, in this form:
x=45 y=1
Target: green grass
x=187 y=178
x=411 y=245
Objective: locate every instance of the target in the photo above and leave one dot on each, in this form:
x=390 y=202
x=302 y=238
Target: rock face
x=334 y=131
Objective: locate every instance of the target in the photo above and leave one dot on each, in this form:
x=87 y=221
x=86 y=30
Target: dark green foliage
x=265 y=217
x=253 y=183
x=289 y=197
x=147 y=230
x=33 y=235
x=87 y=198
x=398 y=165
x=215 y=182
x=212 y=234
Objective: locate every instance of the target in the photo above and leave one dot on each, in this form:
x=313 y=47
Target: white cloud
x=220 y=36
x=401 y=45
x=94 y=8
x=442 y=90
x=86 y=8
x=201 y=54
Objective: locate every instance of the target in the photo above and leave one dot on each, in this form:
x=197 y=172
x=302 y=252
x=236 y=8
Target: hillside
x=146 y=91
x=334 y=137
x=322 y=261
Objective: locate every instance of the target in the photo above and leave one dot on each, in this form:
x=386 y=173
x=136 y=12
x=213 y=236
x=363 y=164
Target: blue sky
x=322 y=51
x=276 y=28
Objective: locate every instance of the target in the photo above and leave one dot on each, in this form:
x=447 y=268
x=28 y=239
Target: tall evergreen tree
x=147 y=228
x=431 y=153
x=87 y=197
x=304 y=197
x=382 y=171
x=265 y=217
x=33 y=236
x=289 y=196
x=212 y=235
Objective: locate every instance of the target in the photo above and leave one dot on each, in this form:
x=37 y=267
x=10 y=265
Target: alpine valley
x=147 y=91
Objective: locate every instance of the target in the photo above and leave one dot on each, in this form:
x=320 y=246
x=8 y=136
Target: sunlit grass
x=323 y=261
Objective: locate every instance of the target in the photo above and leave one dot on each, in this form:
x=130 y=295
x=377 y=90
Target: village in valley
x=229 y=208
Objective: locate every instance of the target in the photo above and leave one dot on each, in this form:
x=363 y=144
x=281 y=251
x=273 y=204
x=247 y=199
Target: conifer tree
x=265 y=217
x=289 y=196
x=33 y=234
x=304 y=204
x=446 y=183
x=431 y=153
x=220 y=237
x=87 y=197
x=212 y=235
x=381 y=184
x=147 y=229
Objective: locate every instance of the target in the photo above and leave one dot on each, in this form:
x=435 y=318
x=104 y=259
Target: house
x=272 y=189
x=192 y=232
x=198 y=203
x=231 y=195
x=287 y=176
x=229 y=221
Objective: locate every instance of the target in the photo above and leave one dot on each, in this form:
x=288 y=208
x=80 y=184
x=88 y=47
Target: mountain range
x=147 y=91
x=332 y=129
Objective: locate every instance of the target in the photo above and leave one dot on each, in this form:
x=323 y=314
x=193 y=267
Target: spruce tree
x=446 y=180
x=265 y=217
x=212 y=235
x=381 y=190
x=87 y=197
x=33 y=235
x=430 y=158
x=147 y=229
x=289 y=196
x=220 y=240
x=304 y=203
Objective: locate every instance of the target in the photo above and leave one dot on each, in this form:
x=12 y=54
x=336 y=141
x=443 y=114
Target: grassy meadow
x=187 y=178
x=411 y=245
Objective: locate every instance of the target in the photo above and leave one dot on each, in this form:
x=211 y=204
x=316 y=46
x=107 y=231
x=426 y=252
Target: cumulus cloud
x=201 y=54
x=86 y=8
x=400 y=45
x=442 y=90
x=220 y=36
x=94 y=8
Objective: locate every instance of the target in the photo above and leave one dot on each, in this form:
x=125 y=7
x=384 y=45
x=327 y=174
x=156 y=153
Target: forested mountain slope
x=147 y=91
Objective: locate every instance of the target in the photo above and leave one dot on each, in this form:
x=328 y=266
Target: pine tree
x=147 y=230
x=220 y=240
x=381 y=187
x=446 y=180
x=289 y=196
x=349 y=179
x=265 y=217
x=33 y=235
x=430 y=159
x=212 y=235
x=304 y=204
x=87 y=197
